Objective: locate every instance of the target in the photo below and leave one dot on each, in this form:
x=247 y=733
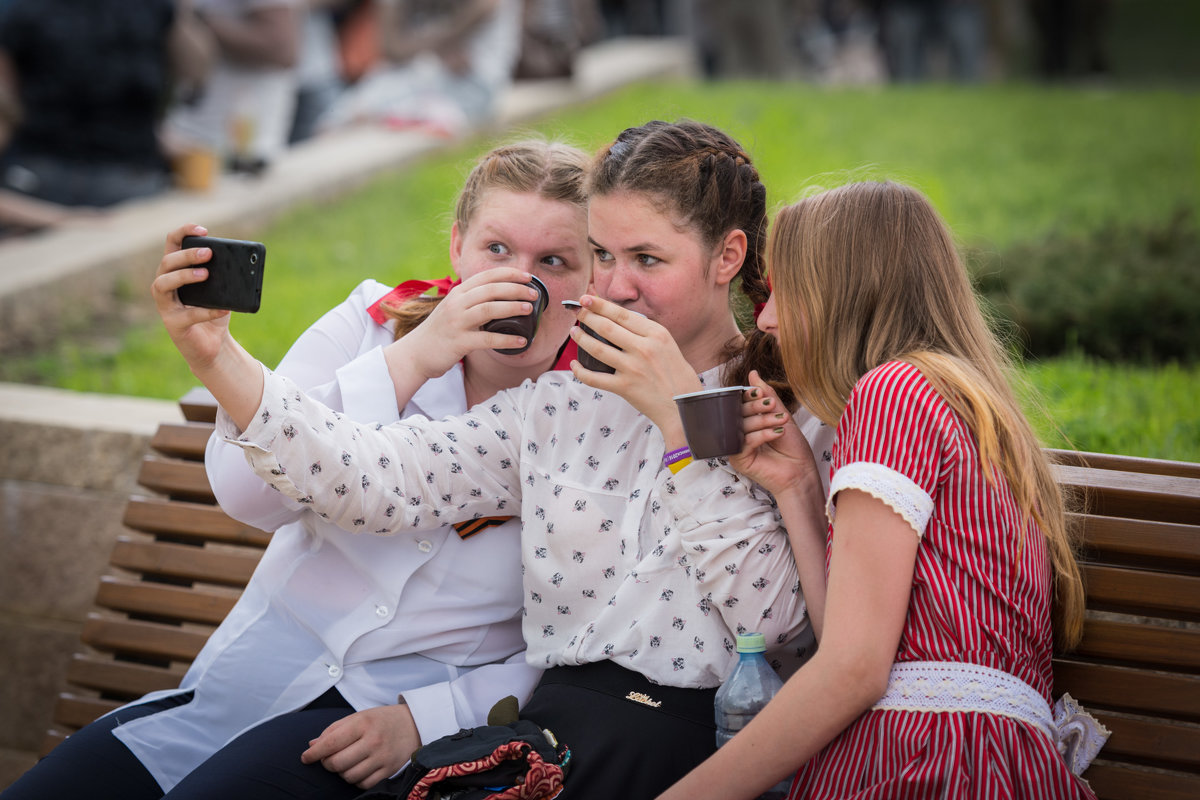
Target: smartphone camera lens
x=254 y=258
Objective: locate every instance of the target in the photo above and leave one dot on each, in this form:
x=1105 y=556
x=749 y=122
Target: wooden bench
x=173 y=577
x=1138 y=666
x=181 y=566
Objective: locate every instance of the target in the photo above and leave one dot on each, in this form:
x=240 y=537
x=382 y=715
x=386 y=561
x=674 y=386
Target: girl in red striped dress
x=950 y=570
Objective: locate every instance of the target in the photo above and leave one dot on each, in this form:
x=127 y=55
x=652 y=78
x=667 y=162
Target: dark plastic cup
x=712 y=421
x=524 y=325
x=588 y=360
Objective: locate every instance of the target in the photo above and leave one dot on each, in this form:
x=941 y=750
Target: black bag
x=514 y=761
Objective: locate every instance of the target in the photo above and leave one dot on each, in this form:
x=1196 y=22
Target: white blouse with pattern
x=622 y=560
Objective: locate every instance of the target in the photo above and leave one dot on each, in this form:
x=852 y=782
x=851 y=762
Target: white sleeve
x=323 y=362
x=444 y=708
x=734 y=539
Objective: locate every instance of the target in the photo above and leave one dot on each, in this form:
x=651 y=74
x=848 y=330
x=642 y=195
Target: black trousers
x=261 y=764
x=622 y=747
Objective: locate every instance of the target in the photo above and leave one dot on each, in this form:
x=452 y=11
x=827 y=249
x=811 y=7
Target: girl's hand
x=776 y=455
x=452 y=330
x=650 y=368
x=198 y=333
x=202 y=334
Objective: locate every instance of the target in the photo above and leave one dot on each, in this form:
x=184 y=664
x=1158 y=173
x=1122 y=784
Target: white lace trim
x=1080 y=735
x=933 y=686
x=895 y=489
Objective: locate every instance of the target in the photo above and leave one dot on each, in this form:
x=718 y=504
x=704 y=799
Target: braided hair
x=714 y=187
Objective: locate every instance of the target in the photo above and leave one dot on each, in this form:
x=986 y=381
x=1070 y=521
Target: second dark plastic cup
x=712 y=421
x=524 y=325
x=588 y=360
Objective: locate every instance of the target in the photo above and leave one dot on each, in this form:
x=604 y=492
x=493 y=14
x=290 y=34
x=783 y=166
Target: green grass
x=1119 y=408
x=1005 y=164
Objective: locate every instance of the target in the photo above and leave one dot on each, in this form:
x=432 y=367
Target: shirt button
x=424 y=545
x=381 y=611
x=334 y=670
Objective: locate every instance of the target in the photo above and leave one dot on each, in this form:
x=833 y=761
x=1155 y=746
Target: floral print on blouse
x=622 y=560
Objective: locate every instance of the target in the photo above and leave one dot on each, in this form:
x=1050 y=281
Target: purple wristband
x=676 y=455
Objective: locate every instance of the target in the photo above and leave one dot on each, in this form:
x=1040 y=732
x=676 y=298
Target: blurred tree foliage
x=1126 y=292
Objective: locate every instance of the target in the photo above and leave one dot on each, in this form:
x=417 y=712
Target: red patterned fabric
x=542 y=782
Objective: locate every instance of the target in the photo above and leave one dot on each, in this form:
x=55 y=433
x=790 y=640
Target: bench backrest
x=1138 y=666
x=183 y=563
x=174 y=575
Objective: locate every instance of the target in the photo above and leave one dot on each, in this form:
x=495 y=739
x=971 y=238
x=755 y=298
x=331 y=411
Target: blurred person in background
x=319 y=78
x=83 y=85
x=244 y=112
x=745 y=40
x=911 y=29
x=1071 y=36
x=444 y=64
x=552 y=34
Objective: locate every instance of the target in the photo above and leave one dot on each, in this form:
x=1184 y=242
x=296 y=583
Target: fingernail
x=754 y=392
x=779 y=415
x=767 y=402
x=779 y=430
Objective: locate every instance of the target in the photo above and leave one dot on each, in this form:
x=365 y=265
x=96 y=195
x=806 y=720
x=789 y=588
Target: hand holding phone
x=235 y=275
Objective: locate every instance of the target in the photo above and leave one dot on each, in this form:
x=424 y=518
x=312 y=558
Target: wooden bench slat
x=1135 y=495
x=179 y=519
x=148 y=639
x=163 y=600
x=1110 y=461
x=76 y=710
x=1135 y=691
x=184 y=480
x=186 y=440
x=119 y=678
x=1115 y=781
x=1131 y=591
x=1141 y=542
x=186 y=562
x=198 y=405
x=1151 y=742
x=1141 y=644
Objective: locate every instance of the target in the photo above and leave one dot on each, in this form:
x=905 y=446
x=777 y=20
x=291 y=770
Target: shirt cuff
x=261 y=433
x=692 y=488
x=895 y=489
x=432 y=709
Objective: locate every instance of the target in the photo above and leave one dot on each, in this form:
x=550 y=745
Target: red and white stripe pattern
x=981 y=595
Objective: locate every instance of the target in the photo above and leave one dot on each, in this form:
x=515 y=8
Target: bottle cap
x=751 y=643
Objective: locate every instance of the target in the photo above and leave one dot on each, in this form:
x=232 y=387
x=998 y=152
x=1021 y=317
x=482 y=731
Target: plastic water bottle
x=749 y=687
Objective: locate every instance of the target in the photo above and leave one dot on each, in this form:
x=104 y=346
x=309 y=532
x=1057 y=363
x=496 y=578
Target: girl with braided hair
x=639 y=571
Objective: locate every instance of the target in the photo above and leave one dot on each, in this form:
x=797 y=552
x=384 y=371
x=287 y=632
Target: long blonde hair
x=550 y=169
x=868 y=273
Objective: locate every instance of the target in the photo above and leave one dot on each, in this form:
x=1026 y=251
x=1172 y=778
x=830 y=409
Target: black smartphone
x=235 y=275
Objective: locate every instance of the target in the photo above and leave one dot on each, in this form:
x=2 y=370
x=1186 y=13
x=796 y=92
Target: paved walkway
x=44 y=276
